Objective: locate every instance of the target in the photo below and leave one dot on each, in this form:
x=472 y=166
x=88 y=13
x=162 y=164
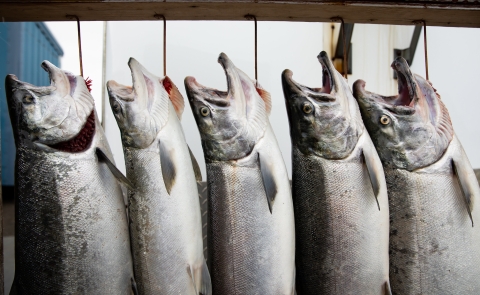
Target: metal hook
x=249 y=17
x=418 y=22
x=159 y=16
x=345 y=62
x=79 y=41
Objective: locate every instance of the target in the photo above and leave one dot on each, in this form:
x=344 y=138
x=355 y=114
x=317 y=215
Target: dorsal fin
x=175 y=96
x=267 y=98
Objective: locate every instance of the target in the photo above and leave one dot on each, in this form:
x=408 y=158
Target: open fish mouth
x=58 y=76
x=324 y=94
x=406 y=84
x=199 y=92
x=66 y=84
x=328 y=81
x=404 y=102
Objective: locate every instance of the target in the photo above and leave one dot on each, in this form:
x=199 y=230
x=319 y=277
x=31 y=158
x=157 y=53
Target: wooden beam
x=434 y=12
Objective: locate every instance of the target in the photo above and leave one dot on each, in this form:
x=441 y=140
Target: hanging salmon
x=71 y=231
x=433 y=192
x=252 y=240
x=339 y=190
x=166 y=226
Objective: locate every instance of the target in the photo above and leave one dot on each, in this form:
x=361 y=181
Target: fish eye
x=385 y=120
x=204 y=111
x=307 y=108
x=116 y=107
x=28 y=99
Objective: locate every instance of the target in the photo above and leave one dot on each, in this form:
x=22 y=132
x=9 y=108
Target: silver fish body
x=339 y=191
x=434 y=248
x=432 y=189
x=71 y=233
x=164 y=208
x=251 y=241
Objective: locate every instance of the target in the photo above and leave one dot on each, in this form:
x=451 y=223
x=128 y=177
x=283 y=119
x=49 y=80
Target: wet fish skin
x=164 y=209
x=432 y=189
x=252 y=238
x=337 y=180
x=71 y=233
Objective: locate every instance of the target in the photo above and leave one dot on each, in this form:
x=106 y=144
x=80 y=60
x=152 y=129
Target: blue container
x=23 y=47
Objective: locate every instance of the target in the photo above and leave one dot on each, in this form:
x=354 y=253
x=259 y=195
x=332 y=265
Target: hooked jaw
x=65 y=82
x=328 y=80
x=407 y=92
x=406 y=83
x=324 y=94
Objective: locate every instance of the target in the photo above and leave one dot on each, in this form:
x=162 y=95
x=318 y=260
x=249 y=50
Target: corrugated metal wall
x=23 y=47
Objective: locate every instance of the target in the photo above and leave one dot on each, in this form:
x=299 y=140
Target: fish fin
x=196 y=167
x=169 y=172
x=268 y=181
x=175 y=96
x=202 y=280
x=386 y=288
x=102 y=157
x=468 y=184
x=134 y=286
x=375 y=171
x=267 y=98
x=191 y=274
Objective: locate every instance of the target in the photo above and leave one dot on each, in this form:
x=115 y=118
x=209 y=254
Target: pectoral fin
x=200 y=279
x=268 y=180
x=196 y=167
x=386 y=288
x=169 y=172
x=118 y=175
x=468 y=183
x=375 y=171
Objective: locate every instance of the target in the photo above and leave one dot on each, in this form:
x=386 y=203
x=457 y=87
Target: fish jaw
x=230 y=122
x=407 y=131
x=141 y=110
x=320 y=120
x=49 y=115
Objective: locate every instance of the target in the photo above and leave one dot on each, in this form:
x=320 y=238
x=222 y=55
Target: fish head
x=141 y=110
x=323 y=121
x=410 y=130
x=51 y=114
x=230 y=122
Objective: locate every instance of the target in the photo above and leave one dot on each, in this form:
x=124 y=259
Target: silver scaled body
x=71 y=234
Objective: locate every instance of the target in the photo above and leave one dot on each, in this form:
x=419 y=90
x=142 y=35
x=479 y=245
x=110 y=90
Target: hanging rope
x=345 y=60
x=419 y=22
x=249 y=17
x=79 y=42
x=161 y=16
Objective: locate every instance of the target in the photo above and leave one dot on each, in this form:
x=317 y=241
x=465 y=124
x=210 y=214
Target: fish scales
x=252 y=238
x=71 y=234
x=239 y=255
x=166 y=228
x=156 y=228
x=429 y=235
x=69 y=228
x=432 y=189
x=335 y=229
x=339 y=190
